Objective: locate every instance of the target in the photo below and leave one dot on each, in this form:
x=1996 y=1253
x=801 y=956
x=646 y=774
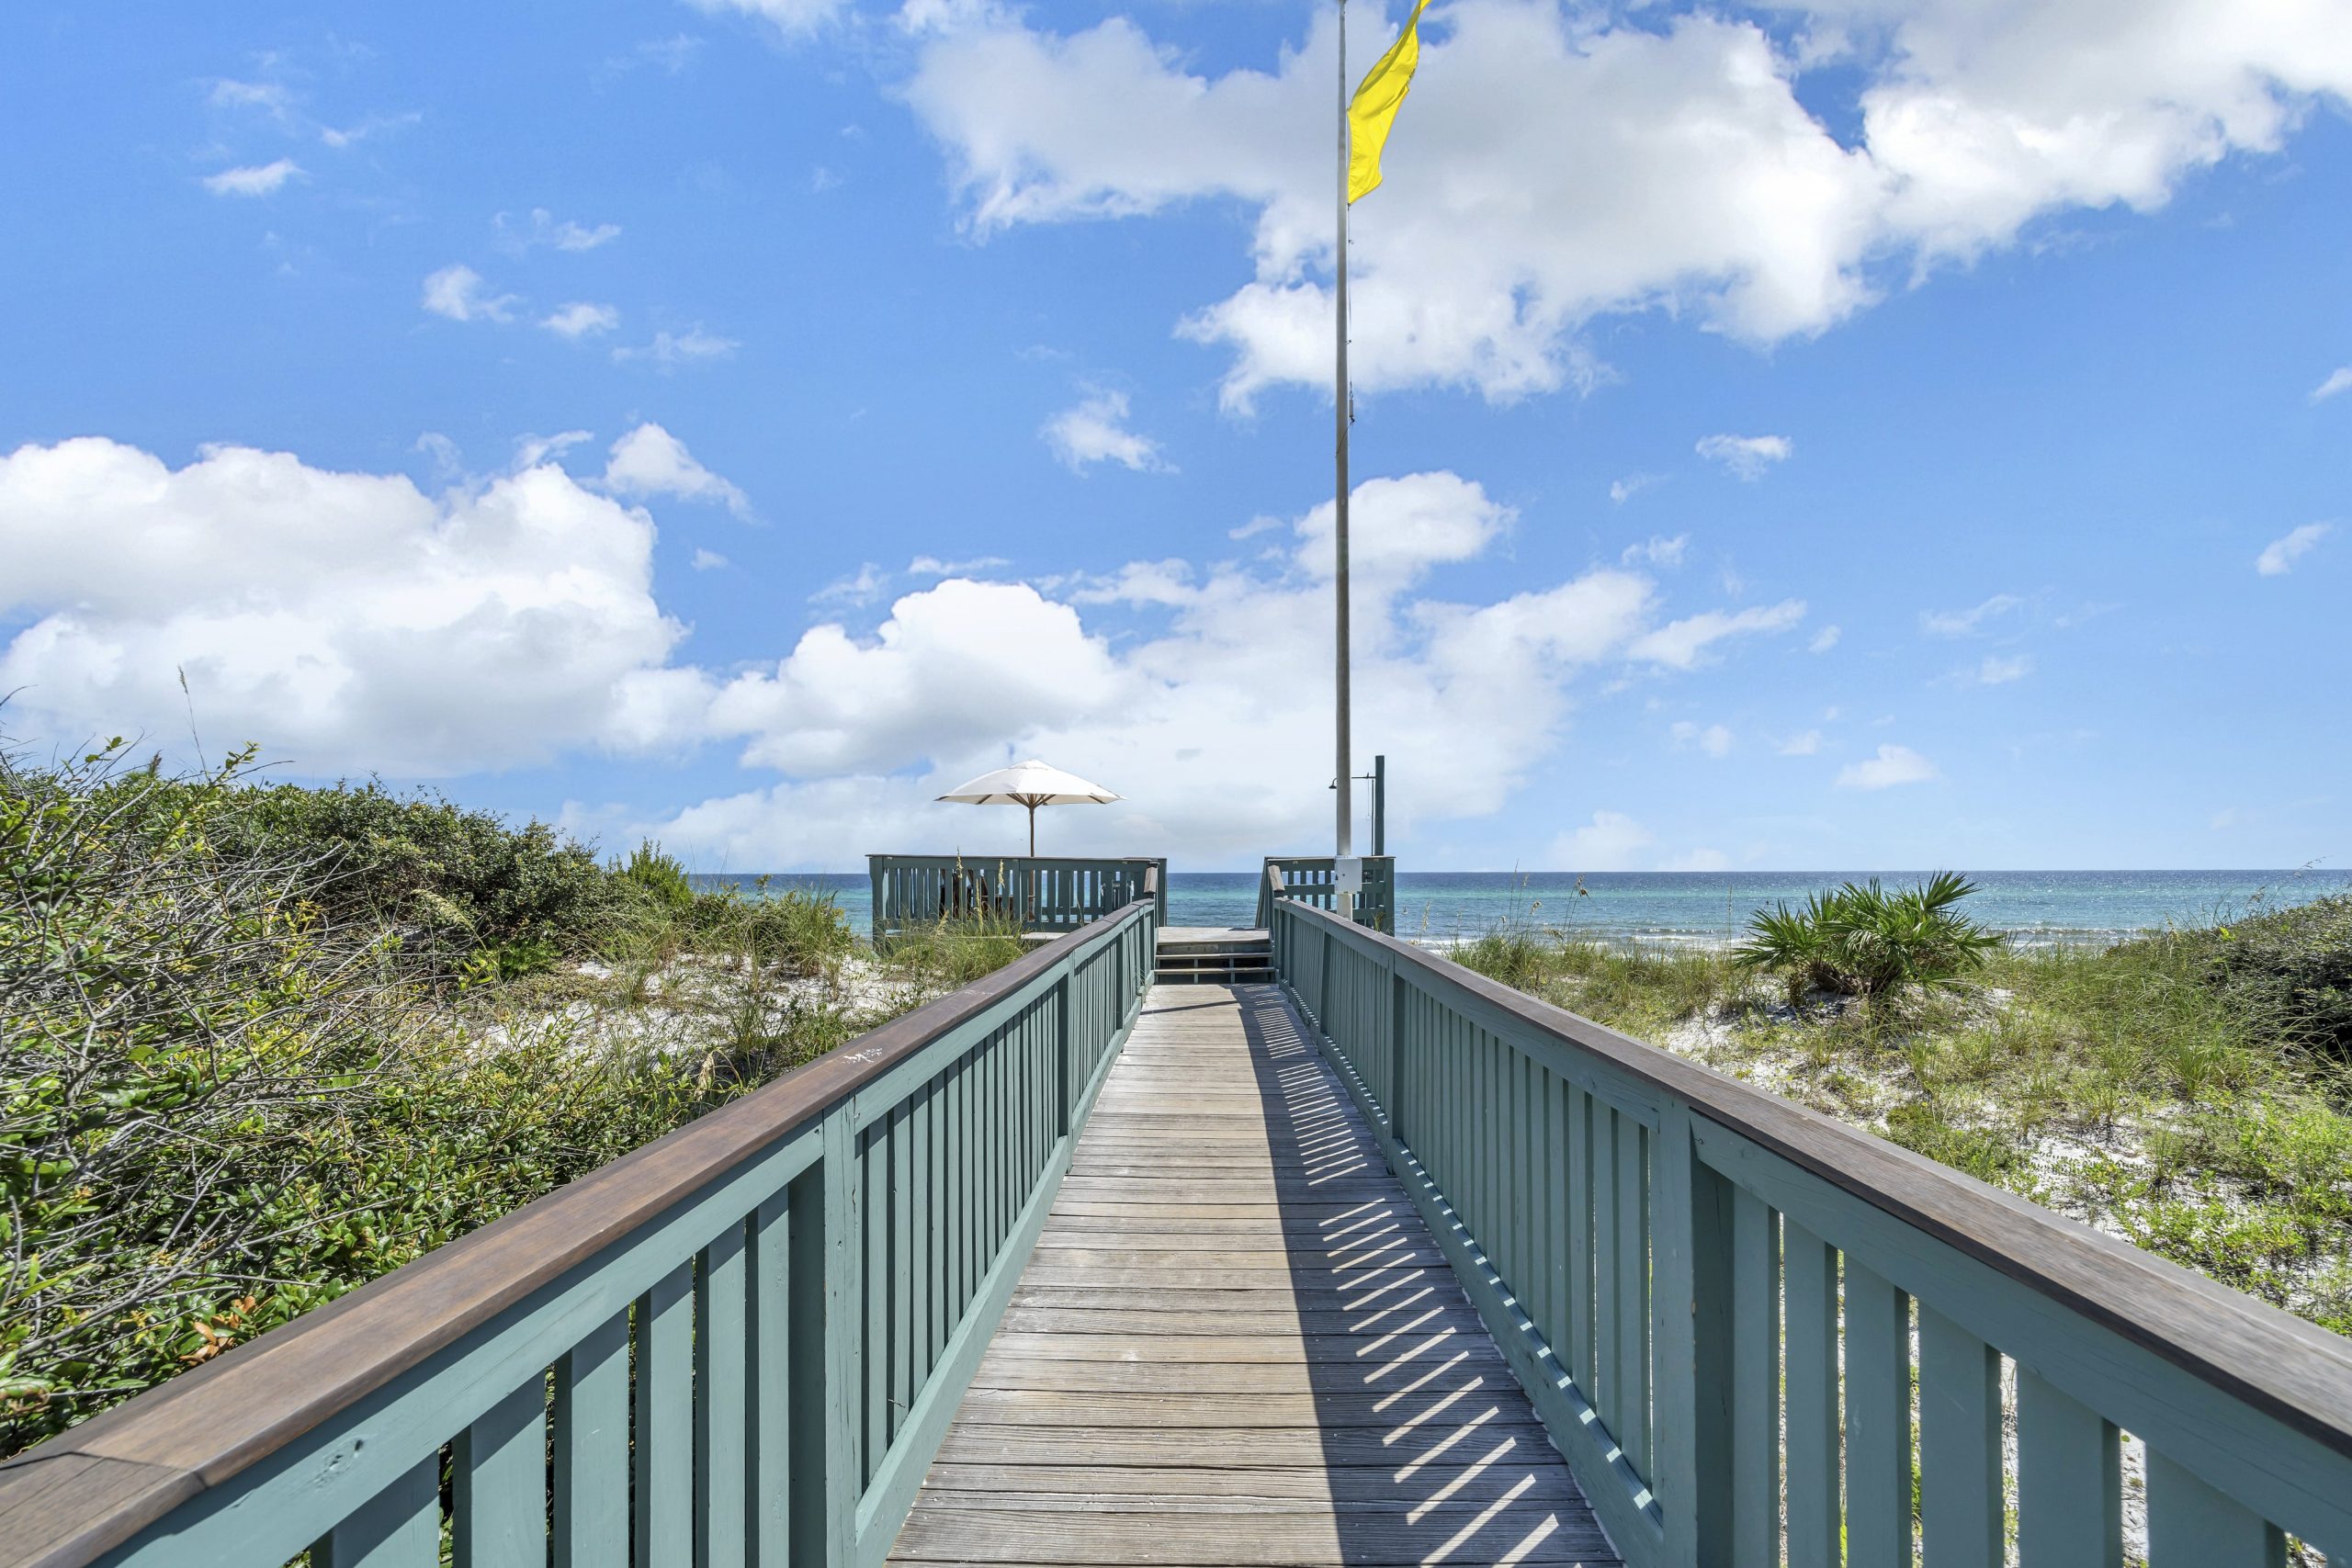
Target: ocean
x=1707 y=909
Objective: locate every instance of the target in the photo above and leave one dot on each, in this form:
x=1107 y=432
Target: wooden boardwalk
x=1236 y=1345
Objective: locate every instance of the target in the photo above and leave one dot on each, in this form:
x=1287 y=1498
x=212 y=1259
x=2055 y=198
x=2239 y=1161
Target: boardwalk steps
x=1214 y=956
x=1236 y=1344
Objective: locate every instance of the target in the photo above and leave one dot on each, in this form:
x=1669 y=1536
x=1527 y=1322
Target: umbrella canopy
x=1031 y=784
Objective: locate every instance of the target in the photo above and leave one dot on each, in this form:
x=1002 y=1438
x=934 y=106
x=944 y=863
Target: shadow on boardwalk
x=1237 y=1345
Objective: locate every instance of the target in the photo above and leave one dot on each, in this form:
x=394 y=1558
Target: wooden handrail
x=1713 y=1150
x=97 y=1485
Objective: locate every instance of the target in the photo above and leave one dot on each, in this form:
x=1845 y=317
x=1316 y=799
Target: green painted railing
x=740 y=1344
x=1043 y=894
x=1761 y=1336
x=1309 y=879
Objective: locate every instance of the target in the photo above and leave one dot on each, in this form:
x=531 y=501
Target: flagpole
x=1346 y=768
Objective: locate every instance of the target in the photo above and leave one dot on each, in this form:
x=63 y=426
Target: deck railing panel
x=1313 y=879
x=740 y=1344
x=1762 y=1336
x=1042 y=894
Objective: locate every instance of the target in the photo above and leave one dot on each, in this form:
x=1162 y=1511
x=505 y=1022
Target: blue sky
x=1877 y=434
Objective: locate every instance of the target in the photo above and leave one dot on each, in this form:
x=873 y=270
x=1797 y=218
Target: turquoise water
x=1708 y=907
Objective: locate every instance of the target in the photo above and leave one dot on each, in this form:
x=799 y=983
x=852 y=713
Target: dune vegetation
x=2190 y=1090
x=261 y=1043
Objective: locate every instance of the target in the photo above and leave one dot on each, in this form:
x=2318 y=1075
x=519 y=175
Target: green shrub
x=2299 y=961
x=661 y=878
x=447 y=878
x=1861 y=940
x=231 y=1088
x=183 y=1038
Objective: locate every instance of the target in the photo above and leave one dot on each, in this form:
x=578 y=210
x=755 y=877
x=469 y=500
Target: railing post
x=1690 y=1337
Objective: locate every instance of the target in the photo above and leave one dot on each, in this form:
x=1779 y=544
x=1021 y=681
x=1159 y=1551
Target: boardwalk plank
x=1236 y=1345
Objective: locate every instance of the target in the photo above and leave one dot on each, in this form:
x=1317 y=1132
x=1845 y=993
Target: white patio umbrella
x=1031 y=784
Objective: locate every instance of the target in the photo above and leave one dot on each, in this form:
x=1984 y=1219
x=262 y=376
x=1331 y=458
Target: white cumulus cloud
x=1179 y=714
x=581 y=318
x=1095 y=431
x=649 y=460
x=545 y=229
x=1556 y=163
x=1682 y=643
x=2280 y=555
x=348 y=621
x=1961 y=623
x=459 y=292
x=1715 y=740
x=670 y=350
x=258 y=179
x=1747 y=456
x=351 y=622
x=2338 y=381
x=1893 y=765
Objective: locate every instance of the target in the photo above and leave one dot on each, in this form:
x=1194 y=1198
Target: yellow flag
x=1373 y=108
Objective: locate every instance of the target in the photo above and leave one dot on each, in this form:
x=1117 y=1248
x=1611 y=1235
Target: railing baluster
x=1810 y=1274
x=592 y=1449
x=2190 y=1525
x=843 y=1171
x=900 y=1276
x=919 y=1223
x=768 y=1465
x=2070 y=1480
x=970 y=1133
x=1606 y=1368
x=723 y=1341
x=1878 y=1420
x=944 y=1306
x=665 y=1490
x=877 y=1358
x=1697 y=1353
x=1633 y=1271
x=1959 y=1445
x=1584 y=1331
x=1559 y=1193
x=1756 y=1382
x=498 y=1518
